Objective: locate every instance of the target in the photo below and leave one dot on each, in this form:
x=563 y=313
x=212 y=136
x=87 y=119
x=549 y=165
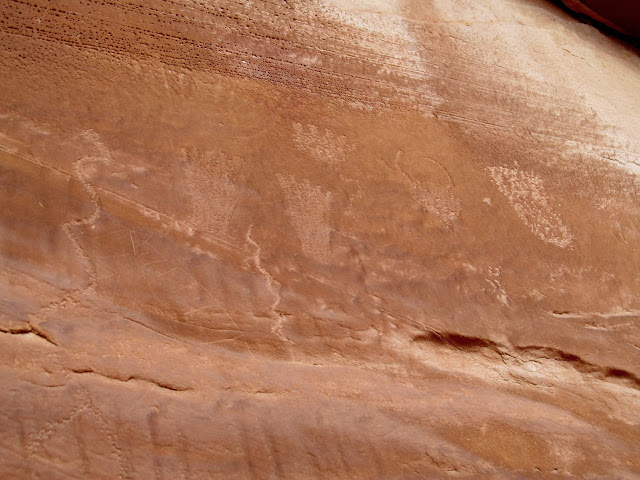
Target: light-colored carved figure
x=496 y=286
x=84 y=170
x=308 y=208
x=439 y=201
x=324 y=146
x=526 y=194
x=213 y=193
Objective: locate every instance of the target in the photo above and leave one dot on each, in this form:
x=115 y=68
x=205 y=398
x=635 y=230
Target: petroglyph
x=356 y=316
x=496 y=286
x=56 y=431
x=213 y=193
x=308 y=208
x=438 y=201
x=526 y=194
x=324 y=146
x=83 y=168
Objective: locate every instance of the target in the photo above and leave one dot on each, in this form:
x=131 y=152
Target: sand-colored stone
x=324 y=239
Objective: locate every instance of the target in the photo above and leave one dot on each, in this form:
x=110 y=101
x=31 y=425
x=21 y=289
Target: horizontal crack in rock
x=489 y=348
x=29 y=330
x=160 y=384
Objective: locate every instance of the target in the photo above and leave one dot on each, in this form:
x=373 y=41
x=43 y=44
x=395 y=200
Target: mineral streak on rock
x=317 y=239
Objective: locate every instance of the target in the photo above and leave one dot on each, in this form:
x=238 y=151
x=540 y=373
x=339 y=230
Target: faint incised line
x=192 y=284
x=437 y=200
x=198 y=309
x=133 y=244
x=244 y=337
x=200 y=285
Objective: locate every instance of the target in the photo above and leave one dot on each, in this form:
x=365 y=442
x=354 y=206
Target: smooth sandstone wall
x=317 y=239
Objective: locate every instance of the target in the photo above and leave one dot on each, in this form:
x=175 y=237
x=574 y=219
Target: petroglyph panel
x=317 y=239
x=214 y=195
x=324 y=146
x=526 y=193
x=308 y=207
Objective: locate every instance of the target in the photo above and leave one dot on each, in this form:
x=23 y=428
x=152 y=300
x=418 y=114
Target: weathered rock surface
x=317 y=239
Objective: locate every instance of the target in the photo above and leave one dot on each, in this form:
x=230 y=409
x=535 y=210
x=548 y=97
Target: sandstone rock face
x=317 y=239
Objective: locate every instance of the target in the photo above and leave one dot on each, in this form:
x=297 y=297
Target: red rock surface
x=317 y=239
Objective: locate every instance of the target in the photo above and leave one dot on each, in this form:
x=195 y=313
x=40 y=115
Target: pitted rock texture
x=317 y=239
